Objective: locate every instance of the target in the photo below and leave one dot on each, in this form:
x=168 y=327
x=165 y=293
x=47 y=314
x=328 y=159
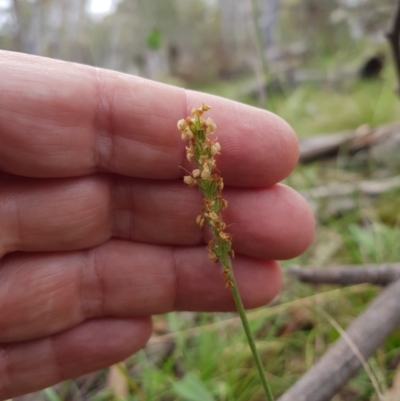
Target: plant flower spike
x=196 y=131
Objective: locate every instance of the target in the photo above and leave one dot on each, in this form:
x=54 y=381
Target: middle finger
x=78 y=213
x=45 y=293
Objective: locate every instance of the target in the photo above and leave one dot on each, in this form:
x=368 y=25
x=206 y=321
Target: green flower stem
x=203 y=149
x=226 y=263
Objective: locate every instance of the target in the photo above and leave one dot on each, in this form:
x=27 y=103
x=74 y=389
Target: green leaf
x=154 y=39
x=191 y=388
x=51 y=394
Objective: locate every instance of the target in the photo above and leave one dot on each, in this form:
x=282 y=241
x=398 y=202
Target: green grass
x=312 y=110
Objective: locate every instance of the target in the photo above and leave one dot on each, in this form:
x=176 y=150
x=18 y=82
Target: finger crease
x=5 y=375
x=174 y=262
x=11 y=241
x=103 y=126
x=112 y=224
x=99 y=285
x=58 y=377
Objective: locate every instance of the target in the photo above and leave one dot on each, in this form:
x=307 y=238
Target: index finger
x=60 y=119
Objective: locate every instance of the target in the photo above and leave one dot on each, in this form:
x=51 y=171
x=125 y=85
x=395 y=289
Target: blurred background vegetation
x=305 y=60
x=313 y=50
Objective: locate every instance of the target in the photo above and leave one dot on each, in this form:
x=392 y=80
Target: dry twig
x=378 y=274
x=367 y=187
x=340 y=363
x=326 y=145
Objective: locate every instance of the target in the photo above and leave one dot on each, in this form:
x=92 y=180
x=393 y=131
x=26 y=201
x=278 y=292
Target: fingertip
x=289 y=144
x=102 y=342
x=269 y=223
x=90 y=346
x=263 y=285
x=259 y=148
x=270 y=149
x=302 y=234
x=128 y=335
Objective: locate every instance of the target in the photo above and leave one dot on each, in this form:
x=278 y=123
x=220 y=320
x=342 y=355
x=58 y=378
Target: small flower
x=220 y=182
x=215 y=148
x=187 y=134
x=182 y=125
x=196 y=173
x=211 y=126
x=190 y=152
x=225 y=236
x=200 y=220
x=211 y=163
x=205 y=107
x=212 y=216
x=203 y=159
x=213 y=256
x=220 y=225
x=208 y=203
x=224 y=204
x=205 y=173
x=228 y=279
x=211 y=253
x=189 y=180
x=197 y=112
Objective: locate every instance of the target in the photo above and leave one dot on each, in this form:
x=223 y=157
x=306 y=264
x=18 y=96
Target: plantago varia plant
x=202 y=149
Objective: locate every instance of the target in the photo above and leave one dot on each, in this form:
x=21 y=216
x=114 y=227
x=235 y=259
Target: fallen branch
x=340 y=363
x=323 y=145
x=369 y=187
x=327 y=145
x=380 y=274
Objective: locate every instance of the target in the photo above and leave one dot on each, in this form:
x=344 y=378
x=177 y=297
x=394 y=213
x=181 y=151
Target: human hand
x=98 y=231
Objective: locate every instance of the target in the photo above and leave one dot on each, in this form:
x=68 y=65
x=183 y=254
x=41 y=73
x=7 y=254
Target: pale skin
x=97 y=230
